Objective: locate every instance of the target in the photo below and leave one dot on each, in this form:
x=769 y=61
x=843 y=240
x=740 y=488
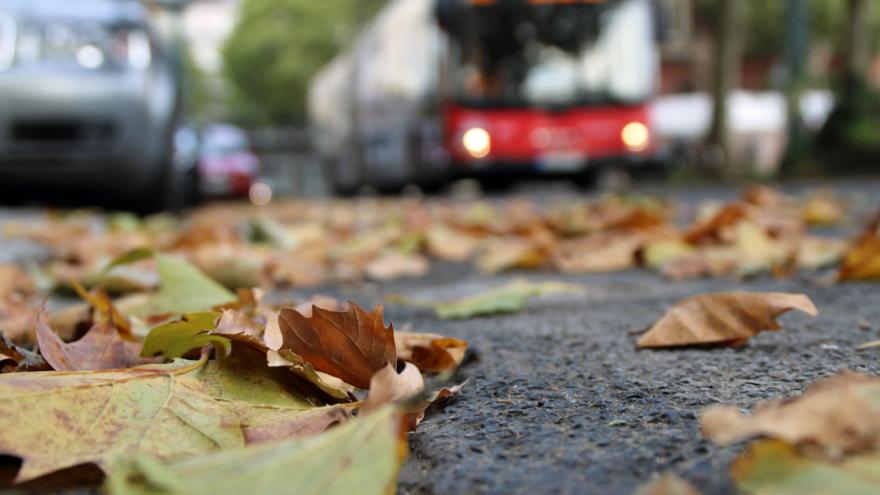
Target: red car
x=227 y=165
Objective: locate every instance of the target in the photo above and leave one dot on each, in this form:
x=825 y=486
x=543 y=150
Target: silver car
x=89 y=99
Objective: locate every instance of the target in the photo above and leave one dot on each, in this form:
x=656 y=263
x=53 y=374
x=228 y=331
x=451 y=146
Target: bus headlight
x=477 y=142
x=635 y=136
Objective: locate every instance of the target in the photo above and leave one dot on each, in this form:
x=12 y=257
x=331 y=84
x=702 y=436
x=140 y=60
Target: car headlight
x=635 y=136
x=477 y=142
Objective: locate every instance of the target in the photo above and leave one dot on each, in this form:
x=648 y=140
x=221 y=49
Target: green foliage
x=278 y=45
x=765 y=23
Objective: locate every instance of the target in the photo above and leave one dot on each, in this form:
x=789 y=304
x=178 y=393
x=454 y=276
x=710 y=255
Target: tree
x=725 y=71
x=278 y=45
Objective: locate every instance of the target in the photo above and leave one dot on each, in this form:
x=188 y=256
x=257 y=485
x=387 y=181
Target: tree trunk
x=727 y=53
x=857 y=49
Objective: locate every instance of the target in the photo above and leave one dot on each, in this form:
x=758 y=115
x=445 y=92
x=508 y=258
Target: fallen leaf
x=599 y=252
x=183 y=289
x=772 y=467
x=54 y=420
x=321 y=301
x=862 y=261
x=839 y=415
x=656 y=254
x=14 y=358
x=667 y=484
x=723 y=318
x=708 y=261
x=192 y=331
x=101 y=348
x=757 y=251
x=710 y=229
x=387 y=386
x=823 y=207
x=350 y=345
x=815 y=252
x=14 y=282
x=504 y=253
x=450 y=245
x=430 y=352
x=391 y=265
x=240 y=327
x=508 y=298
x=360 y=457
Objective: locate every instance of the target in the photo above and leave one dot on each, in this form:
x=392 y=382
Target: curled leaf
x=14 y=358
x=723 y=318
x=350 y=345
x=101 y=348
x=387 y=385
x=840 y=414
x=430 y=352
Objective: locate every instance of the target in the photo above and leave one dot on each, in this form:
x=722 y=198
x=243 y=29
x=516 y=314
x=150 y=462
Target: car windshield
x=557 y=54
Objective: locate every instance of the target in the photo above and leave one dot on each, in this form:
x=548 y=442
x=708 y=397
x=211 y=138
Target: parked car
x=227 y=166
x=90 y=101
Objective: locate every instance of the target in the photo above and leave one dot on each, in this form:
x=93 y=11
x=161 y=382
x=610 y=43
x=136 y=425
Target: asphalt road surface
x=560 y=401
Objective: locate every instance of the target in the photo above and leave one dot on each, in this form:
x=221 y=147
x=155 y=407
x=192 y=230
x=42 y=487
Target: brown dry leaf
x=710 y=261
x=503 y=253
x=815 y=252
x=285 y=269
x=839 y=415
x=823 y=207
x=637 y=219
x=350 y=345
x=430 y=352
x=102 y=348
x=391 y=265
x=667 y=484
x=710 y=230
x=387 y=385
x=764 y=196
x=599 y=252
x=14 y=282
x=240 y=327
x=862 y=261
x=450 y=244
x=14 y=358
x=723 y=318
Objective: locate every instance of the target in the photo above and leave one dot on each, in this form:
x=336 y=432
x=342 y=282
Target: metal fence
x=290 y=165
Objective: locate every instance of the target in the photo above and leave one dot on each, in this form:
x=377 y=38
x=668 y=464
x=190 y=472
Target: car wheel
x=174 y=189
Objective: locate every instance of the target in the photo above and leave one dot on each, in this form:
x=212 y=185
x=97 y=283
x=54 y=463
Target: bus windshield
x=556 y=54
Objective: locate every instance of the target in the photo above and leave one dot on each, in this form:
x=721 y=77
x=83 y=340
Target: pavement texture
x=560 y=401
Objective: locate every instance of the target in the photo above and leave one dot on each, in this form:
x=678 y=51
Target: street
x=559 y=400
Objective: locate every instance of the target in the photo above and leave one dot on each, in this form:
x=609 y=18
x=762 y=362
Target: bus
x=435 y=89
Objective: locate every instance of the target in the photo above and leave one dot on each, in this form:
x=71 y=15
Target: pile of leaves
x=309 y=243
x=173 y=392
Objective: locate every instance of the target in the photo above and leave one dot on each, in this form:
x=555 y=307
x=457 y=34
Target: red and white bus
x=437 y=88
